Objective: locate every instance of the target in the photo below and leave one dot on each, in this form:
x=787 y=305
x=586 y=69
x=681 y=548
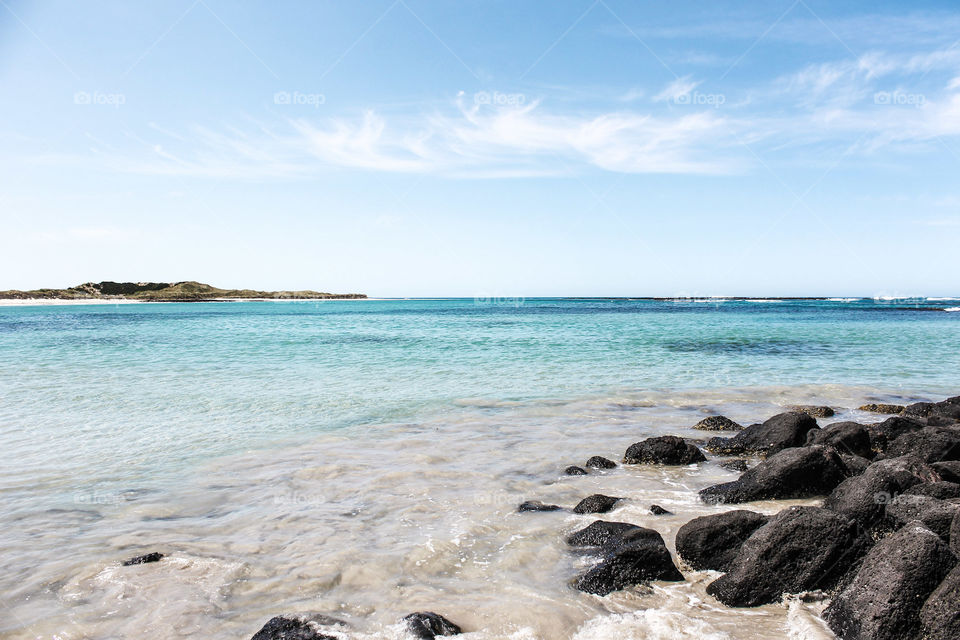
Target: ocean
x=365 y=458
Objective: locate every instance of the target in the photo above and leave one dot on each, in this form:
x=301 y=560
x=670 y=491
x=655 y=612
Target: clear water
x=364 y=458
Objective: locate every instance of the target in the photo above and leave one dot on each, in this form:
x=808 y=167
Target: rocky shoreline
x=883 y=548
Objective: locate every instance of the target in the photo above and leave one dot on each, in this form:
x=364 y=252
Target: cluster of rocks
x=884 y=546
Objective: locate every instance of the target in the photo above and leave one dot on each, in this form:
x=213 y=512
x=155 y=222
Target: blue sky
x=484 y=148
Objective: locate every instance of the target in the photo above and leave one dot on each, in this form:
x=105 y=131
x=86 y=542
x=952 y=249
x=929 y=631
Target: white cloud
x=676 y=89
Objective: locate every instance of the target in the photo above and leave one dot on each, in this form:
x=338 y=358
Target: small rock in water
x=599 y=462
x=574 y=470
x=882 y=408
x=817 y=411
x=298 y=626
x=144 y=559
x=884 y=599
x=657 y=510
x=711 y=542
x=428 y=625
x=735 y=465
x=717 y=423
x=536 y=505
x=663 y=450
x=597 y=503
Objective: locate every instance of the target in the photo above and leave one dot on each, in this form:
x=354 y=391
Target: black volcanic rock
x=940 y=615
x=799 y=549
x=942 y=490
x=717 y=423
x=711 y=542
x=882 y=408
x=663 y=450
x=949 y=470
x=636 y=558
x=864 y=497
x=845 y=437
x=427 y=625
x=602 y=533
x=936 y=515
x=574 y=470
x=599 y=462
x=884 y=598
x=890 y=429
x=536 y=505
x=597 y=503
x=144 y=559
x=735 y=465
x=780 y=432
x=299 y=626
x=933 y=444
x=800 y=472
x=817 y=411
x=657 y=510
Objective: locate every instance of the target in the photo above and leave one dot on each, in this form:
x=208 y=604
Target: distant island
x=189 y=291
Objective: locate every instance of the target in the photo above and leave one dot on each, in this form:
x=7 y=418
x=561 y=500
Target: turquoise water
x=149 y=388
x=365 y=458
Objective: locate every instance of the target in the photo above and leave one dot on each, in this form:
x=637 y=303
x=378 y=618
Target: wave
x=952 y=309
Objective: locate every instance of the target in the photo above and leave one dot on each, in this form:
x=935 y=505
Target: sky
x=483 y=148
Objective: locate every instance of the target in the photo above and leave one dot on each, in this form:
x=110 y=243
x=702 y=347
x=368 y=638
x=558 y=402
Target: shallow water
x=365 y=459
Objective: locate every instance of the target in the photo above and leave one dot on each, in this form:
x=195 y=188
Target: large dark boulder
x=599 y=462
x=717 y=423
x=663 y=450
x=933 y=444
x=711 y=542
x=940 y=615
x=800 y=549
x=942 y=490
x=955 y=535
x=882 y=433
x=597 y=503
x=636 y=558
x=845 y=437
x=536 y=505
x=883 y=599
x=800 y=472
x=936 y=515
x=427 y=625
x=602 y=533
x=947 y=410
x=298 y=626
x=949 y=470
x=864 y=497
x=779 y=432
